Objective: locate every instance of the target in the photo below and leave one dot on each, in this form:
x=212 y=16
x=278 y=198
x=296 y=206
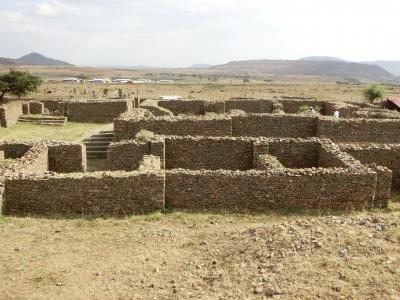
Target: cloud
x=53 y=8
x=182 y=32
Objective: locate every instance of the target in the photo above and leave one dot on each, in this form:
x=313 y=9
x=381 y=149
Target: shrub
x=373 y=92
x=144 y=135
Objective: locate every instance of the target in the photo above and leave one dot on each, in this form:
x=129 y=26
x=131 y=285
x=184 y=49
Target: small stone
x=58 y=284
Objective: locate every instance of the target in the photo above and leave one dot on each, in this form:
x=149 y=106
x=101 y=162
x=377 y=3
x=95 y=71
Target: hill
x=391 y=66
x=322 y=58
x=304 y=68
x=35 y=59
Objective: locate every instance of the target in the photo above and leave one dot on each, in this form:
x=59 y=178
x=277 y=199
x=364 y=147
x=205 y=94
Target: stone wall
x=126 y=128
x=14 y=149
x=249 y=105
x=10 y=112
x=387 y=155
x=96 y=111
x=383 y=186
x=295 y=153
x=359 y=130
x=127 y=155
x=195 y=153
x=35 y=107
x=258 y=190
x=292 y=106
x=109 y=193
x=274 y=125
x=67 y=157
x=2 y=157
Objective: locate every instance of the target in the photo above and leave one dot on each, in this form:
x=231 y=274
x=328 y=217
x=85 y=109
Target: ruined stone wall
x=314 y=189
x=109 y=193
x=292 y=106
x=67 y=157
x=14 y=149
x=346 y=110
x=195 y=153
x=274 y=125
x=295 y=153
x=96 y=111
x=35 y=107
x=125 y=129
x=257 y=106
x=52 y=105
x=383 y=186
x=2 y=157
x=268 y=162
x=387 y=155
x=127 y=155
x=359 y=130
x=10 y=112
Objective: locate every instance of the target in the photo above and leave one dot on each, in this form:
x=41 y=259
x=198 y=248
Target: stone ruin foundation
x=240 y=154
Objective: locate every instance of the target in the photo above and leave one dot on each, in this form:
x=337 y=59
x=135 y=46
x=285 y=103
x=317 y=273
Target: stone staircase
x=43 y=120
x=96 y=145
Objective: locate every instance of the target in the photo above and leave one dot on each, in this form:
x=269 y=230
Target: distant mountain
x=391 y=66
x=34 y=59
x=304 y=68
x=200 y=66
x=322 y=58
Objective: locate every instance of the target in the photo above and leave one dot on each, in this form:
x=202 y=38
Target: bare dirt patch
x=202 y=256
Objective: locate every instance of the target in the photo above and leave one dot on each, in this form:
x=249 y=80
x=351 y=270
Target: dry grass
x=70 y=132
x=202 y=256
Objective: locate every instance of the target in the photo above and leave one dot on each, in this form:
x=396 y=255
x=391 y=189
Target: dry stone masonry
x=238 y=154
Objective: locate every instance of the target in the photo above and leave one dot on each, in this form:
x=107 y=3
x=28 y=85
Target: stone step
x=105 y=139
x=44 y=123
x=108 y=135
x=96 y=148
x=96 y=143
x=43 y=118
x=107 y=132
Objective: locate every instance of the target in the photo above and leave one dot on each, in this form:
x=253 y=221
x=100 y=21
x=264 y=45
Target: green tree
x=18 y=83
x=374 y=91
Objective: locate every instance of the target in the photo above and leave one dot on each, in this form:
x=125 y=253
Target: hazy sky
x=183 y=32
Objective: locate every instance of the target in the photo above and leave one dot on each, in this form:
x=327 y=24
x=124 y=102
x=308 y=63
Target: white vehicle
x=166 y=81
x=100 y=80
x=170 y=98
x=142 y=81
x=122 y=81
x=72 y=79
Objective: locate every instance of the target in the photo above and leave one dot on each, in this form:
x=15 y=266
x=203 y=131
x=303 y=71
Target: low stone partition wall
x=157 y=110
x=210 y=153
x=33 y=161
x=274 y=125
x=127 y=155
x=35 y=107
x=108 y=193
x=250 y=105
x=257 y=190
x=359 y=130
x=10 y=112
x=128 y=125
x=96 y=111
x=14 y=149
x=387 y=155
x=292 y=106
x=201 y=107
x=383 y=186
x=67 y=157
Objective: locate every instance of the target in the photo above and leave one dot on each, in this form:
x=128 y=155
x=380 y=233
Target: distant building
x=122 y=81
x=100 y=80
x=72 y=80
x=170 y=98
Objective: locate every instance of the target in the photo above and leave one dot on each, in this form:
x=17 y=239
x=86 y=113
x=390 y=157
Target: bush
x=373 y=92
x=144 y=135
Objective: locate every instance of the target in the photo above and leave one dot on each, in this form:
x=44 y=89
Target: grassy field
x=181 y=255
x=30 y=132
